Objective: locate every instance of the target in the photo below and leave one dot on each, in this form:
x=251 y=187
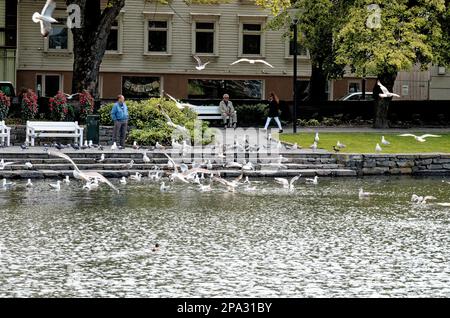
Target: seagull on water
x=163 y=187
x=200 y=65
x=385 y=92
x=91 y=185
x=29 y=183
x=363 y=194
x=314 y=180
x=384 y=141
x=8 y=185
x=123 y=181
x=56 y=186
x=251 y=62
x=420 y=138
x=287 y=184
x=67 y=180
x=45 y=18
x=136 y=177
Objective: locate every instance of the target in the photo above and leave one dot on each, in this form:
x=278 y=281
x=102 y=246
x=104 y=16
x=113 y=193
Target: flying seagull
x=70 y=96
x=419 y=138
x=200 y=65
x=385 y=91
x=87 y=176
x=172 y=124
x=251 y=62
x=179 y=105
x=45 y=18
x=4 y=164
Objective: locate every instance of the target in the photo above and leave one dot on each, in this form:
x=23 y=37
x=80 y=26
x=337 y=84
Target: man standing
x=119 y=115
x=228 y=113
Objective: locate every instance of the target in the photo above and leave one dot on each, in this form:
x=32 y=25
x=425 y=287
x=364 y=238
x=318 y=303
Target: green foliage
x=252 y=114
x=149 y=124
x=5 y=103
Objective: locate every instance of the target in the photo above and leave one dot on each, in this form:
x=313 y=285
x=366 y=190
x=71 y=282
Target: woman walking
x=274 y=110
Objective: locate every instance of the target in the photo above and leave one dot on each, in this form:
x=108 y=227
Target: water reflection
x=316 y=241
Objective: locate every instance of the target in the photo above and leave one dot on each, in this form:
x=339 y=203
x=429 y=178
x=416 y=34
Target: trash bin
x=93 y=128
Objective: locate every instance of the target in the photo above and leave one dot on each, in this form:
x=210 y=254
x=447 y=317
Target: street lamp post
x=293 y=13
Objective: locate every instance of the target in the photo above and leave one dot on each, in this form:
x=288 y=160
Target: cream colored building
x=151 y=48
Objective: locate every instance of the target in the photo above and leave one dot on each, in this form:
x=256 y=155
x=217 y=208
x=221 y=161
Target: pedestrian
x=119 y=115
x=274 y=111
x=229 y=114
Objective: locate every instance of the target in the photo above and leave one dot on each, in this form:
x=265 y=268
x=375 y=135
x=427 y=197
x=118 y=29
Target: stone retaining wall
x=396 y=164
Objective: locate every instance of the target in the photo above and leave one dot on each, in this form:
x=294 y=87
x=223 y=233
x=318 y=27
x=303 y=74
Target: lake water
x=318 y=241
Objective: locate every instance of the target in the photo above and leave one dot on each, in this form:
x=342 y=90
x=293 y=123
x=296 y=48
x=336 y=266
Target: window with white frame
x=48 y=85
x=354 y=87
x=251 y=36
x=158 y=33
x=114 y=43
x=59 y=36
x=205 y=34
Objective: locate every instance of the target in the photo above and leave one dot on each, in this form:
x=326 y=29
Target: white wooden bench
x=61 y=129
x=5 y=132
x=208 y=112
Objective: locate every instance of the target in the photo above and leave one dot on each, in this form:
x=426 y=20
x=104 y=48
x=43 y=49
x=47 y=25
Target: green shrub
x=313 y=122
x=252 y=114
x=149 y=125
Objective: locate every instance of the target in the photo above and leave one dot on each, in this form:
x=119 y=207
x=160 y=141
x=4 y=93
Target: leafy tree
x=411 y=32
x=317 y=21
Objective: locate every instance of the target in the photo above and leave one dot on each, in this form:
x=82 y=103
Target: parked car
x=357 y=96
x=8 y=89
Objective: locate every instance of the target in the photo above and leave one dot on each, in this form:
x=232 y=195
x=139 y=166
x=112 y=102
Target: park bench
x=61 y=129
x=208 y=112
x=5 y=132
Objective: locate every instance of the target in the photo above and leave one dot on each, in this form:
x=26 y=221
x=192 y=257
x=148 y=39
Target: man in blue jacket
x=119 y=115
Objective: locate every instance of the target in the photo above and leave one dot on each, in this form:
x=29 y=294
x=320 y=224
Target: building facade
x=8 y=35
x=151 y=49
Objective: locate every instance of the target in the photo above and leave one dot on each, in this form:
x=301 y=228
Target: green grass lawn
x=365 y=142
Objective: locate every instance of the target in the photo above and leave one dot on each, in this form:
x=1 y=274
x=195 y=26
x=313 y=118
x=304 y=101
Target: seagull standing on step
x=251 y=62
x=145 y=158
x=45 y=18
x=200 y=65
x=420 y=138
x=384 y=141
x=101 y=159
x=114 y=146
x=29 y=165
x=385 y=92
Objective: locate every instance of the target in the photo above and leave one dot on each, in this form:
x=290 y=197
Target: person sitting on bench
x=229 y=115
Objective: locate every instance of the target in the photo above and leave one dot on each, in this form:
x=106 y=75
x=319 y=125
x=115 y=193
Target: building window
x=157 y=36
x=141 y=86
x=48 y=85
x=113 y=38
x=354 y=87
x=58 y=38
x=204 y=37
x=251 y=39
x=214 y=89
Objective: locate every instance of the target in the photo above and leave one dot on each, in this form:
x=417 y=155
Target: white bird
x=233 y=164
x=428 y=197
x=4 y=164
x=136 y=177
x=29 y=183
x=282 y=159
x=172 y=124
x=287 y=184
x=363 y=194
x=378 y=148
x=248 y=166
x=419 y=138
x=135 y=145
x=251 y=62
x=205 y=188
x=90 y=143
x=101 y=159
x=163 y=187
x=84 y=175
x=114 y=146
x=123 y=181
x=420 y=199
x=45 y=17
x=128 y=165
x=56 y=186
x=385 y=91
x=67 y=180
x=209 y=165
x=340 y=145
x=29 y=165
x=178 y=104
x=145 y=158
x=384 y=141
x=316 y=138
x=314 y=146
x=91 y=185
x=7 y=185
x=68 y=96
x=294 y=147
x=315 y=180
x=200 y=65
x=159 y=146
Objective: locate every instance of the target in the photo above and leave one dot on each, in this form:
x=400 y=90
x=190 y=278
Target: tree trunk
x=317 y=84
x=90 y=42
x=382 y=104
